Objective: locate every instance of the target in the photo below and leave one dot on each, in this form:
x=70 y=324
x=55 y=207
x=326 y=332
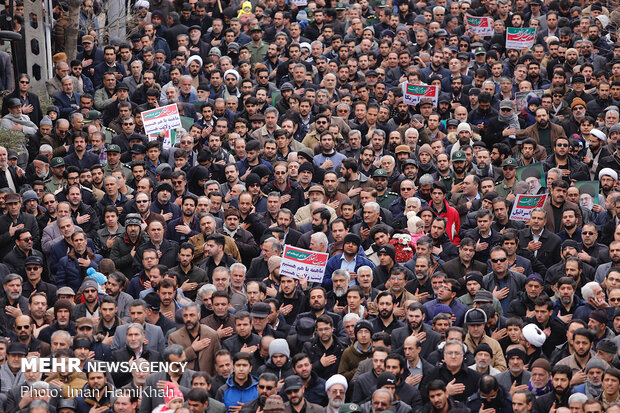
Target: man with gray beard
x=337 y=297
x=336 y=388
x=13 y=304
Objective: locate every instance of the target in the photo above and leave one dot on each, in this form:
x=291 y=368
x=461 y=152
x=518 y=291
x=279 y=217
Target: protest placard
x=524 y=204
x=412 y=94
x=164 y=119
x=534 y=175
x=298 y=262
x=591 y=188
x=520 y=38
x=482 y=26
x=521 y=98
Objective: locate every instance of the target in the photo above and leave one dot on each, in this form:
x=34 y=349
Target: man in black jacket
x=560 y=377
x=546 y=247
x=455 y=369
x=135 y=348
x=13 y=220
x=416 y=325
x=30 y=101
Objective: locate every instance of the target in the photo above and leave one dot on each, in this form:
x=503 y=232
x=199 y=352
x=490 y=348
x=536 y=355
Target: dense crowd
x=132 y=248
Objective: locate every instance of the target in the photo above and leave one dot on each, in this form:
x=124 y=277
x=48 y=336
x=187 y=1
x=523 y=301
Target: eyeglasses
x=18 y=328
x=496 y=260
x=562 y=145
x=453 y=353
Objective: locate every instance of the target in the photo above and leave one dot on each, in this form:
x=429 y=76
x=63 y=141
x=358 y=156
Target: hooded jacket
x=231 y=393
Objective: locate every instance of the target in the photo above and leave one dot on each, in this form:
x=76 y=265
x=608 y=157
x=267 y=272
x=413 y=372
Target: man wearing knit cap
x=540 y=382
x=597 y=323
x=516 y=377
x=279 y=362
x=483 y=356
x=349 y=259
x=425 y=155
x=274 y=404
x=387 y=260
x=578 y=113
x=336 y=388
x=593 y=386
x=606 y=349
x=359 y=350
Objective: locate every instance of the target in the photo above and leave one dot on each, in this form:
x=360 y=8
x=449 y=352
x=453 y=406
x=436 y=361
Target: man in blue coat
x=350 y=260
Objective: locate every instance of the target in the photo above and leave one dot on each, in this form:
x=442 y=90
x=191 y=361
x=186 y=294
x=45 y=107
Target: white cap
x=336 y=379
x=599 y=134
x=463 y=126
x=534 y=335
x=196 y=58
x=608 y=172
x=142 y=4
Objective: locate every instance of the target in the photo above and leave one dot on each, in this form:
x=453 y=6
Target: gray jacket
x=8 y=380
x=153 y=334
x=505 y=380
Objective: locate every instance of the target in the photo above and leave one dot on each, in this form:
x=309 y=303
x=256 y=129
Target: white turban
x=599 y=134
x=534 y=335
x=336 y=379
x=142 y=4
x=608 y=172
x=196 y=58
x=232 y=72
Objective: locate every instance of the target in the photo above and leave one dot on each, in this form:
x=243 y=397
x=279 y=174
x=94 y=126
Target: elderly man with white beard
x=337 y=297
x=336 y=389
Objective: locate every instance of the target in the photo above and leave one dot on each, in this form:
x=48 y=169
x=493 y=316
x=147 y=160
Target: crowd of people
x=126 y=247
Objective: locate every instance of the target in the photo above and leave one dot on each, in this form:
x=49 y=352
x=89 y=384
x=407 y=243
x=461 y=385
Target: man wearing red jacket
x=440 y=208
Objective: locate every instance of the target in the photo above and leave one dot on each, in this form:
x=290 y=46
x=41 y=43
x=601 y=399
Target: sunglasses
x=18 y=328
x=496 y=260
x=562 y=145
x=587 y=233
x=265 y=387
